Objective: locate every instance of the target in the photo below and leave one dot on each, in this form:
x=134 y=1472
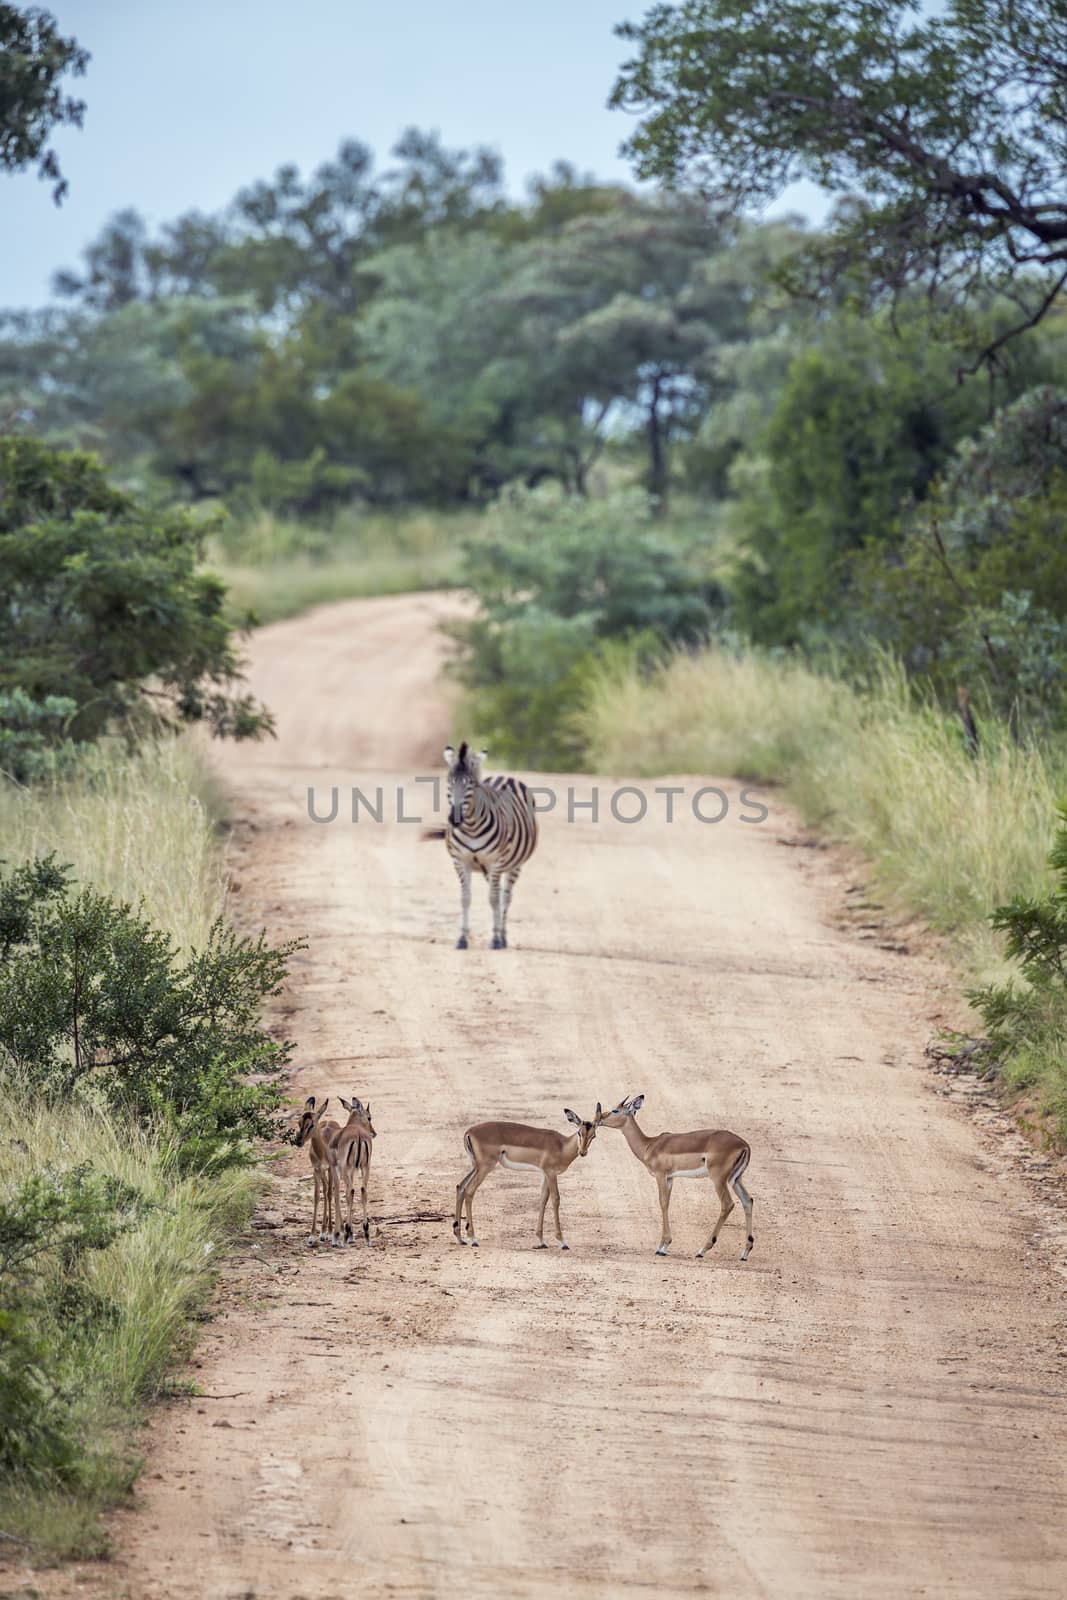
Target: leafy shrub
x=1027 y=1022
x=557 y=583
x=33 y=736
x=103 y=608
x=63 y=1215
x=975 y=591
x=94 y=999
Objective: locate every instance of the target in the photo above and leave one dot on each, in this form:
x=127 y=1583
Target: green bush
x=104 y=609
x=558 y=582
x=975 y=591
x=1027 y=1020
x=62 y=1215
x=94 y=999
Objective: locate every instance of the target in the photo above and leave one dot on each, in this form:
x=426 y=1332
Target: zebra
x=492 y=827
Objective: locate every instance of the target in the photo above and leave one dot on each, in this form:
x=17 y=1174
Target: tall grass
x=155 y=1278
x=275 y=568
x=950 y=835
x=139 y=826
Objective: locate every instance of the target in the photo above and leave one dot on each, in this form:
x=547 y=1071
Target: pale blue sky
x=188 y=102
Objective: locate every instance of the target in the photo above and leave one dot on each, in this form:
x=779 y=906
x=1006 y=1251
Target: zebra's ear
x=450 y=754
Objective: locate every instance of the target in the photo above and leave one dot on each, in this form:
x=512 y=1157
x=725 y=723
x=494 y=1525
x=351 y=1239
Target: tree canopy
x=34 y=59
x=945 y=134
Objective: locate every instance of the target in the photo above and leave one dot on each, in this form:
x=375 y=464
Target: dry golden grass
x=949 y=836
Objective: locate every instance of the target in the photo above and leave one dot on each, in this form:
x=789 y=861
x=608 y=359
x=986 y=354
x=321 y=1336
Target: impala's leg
x=495 y=890
x=746 y=1200
x=468 y=1197
x=726 y=1205
x=335 y=1197
x=317 y=1180
x=350 y=1195
x=461 y=1188
x=365 y=1179
x=664 y=1211
x=463 y=872
x=326 y=1227
x=546 y=1190
x=555 y=1212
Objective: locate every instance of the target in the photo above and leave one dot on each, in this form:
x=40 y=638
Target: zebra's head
x=464 y=772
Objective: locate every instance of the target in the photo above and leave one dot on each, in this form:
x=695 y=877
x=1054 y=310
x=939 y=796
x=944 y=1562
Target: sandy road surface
x=872 y=1406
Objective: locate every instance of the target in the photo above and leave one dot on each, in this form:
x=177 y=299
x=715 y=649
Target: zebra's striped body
x=491 y=829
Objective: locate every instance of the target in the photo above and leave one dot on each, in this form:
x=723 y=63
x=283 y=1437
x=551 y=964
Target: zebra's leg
x=509 y=882
x=495 y=893
x=463 y=872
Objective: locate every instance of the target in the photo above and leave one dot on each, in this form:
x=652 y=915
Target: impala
x=513 y=1144
x=349 y=1154
x=318 y=1136
x=713 y=1154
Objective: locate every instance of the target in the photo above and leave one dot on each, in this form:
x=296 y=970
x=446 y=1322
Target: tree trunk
x=657 y=453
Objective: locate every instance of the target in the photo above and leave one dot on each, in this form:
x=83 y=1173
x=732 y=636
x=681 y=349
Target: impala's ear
x=571 y=1117
x=309 y=1103
x=450 y=754
x=636 y=1103
x=346 y=1103
x=366 y=1111
x=321 y=1112
x=599 y=1113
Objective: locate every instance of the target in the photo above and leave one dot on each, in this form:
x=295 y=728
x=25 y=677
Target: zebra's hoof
x=461 y=942
x=496 y=944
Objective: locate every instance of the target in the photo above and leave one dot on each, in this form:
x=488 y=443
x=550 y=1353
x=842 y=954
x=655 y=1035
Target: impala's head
x=464 y=771
x=586 y=1130
x=310 y=1119
x=356 y=1108
x=617 y=1118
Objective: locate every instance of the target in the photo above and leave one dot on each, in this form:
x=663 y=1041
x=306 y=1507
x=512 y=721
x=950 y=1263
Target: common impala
x=513 y=1144
x=318 y=1136
x=717 y=1155
x=349 y=1154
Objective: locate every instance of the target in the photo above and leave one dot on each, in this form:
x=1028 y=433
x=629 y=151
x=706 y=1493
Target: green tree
x=616 y=317
x=103 y=604
x=974 y=592
x=862 y=423
x=34 y=58
x=945 y=129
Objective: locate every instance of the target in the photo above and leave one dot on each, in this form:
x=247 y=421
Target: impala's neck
x=638 y=1141
x=569 y=1151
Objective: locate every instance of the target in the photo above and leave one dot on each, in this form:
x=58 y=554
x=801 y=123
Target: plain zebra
x=491 y=828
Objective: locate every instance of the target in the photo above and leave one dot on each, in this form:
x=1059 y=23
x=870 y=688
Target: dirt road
x=872 y=1406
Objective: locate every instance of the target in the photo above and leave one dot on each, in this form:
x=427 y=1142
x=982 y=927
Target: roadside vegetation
x=136 y=1076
